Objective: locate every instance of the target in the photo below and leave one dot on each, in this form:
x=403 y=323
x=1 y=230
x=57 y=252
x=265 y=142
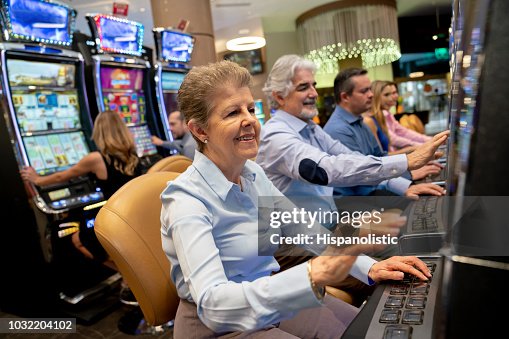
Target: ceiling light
x=416 y=74
x=246 y=43
x=329 y=34
x=435 y=37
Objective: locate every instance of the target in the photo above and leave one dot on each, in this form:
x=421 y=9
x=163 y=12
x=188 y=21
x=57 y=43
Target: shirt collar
x=213 y=176
x=347 y=116
x=186 y=136
x=295 y=123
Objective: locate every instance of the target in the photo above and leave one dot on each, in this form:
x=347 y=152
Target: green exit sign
x=442 y=53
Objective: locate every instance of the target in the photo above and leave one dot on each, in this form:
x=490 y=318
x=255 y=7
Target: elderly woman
x=210 y=228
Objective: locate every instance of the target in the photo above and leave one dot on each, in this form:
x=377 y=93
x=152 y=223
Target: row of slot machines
x=53 y=83
x=470 y=261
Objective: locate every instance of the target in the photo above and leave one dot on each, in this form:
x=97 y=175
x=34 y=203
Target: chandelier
x=350 y=29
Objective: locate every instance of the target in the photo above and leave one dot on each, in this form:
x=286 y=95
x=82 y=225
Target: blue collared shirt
x=301 y=162
x=352 y=132
x=209 y=233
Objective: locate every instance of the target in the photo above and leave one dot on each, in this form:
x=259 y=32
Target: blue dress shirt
x=352 y=132
x=209 y=233
x=304 y=161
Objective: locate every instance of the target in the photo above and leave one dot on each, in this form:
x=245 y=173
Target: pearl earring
x=205 y=141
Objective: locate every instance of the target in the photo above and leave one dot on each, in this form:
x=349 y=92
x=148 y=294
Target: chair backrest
x=175 y=163
x=412 y=122
x=128 y=227
x=416 y=123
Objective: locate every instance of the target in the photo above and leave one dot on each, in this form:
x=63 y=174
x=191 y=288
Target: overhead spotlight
x=435 y=37
x=246 y=43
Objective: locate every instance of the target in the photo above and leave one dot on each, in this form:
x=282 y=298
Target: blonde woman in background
x=399 y=135
x=113 y=164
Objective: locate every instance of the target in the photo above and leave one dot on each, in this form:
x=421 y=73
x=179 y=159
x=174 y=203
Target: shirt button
x=394 y=171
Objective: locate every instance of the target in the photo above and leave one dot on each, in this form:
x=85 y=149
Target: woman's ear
x=197 y=130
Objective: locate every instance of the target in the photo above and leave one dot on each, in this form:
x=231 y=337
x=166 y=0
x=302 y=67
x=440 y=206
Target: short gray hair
x=281 y=76
x=202 y=84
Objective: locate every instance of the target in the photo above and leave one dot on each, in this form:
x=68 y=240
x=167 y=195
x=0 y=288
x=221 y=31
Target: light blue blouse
x=210 y=232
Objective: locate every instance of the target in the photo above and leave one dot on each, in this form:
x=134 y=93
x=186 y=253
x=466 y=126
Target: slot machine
x=465 y=296
x=47 y=121
x=119 y=72
x=475 y=248
x=174 y=50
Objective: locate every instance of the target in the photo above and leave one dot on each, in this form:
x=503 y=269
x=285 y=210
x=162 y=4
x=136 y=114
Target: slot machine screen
x=251 y=60
x=41 y=74
x=142 y=140
x=259 y=111
x=176 y=46
x=44 y=96
x=123 y=93
x=48 y=21
x=119 y=35
x=171 y=82
x=55 y=152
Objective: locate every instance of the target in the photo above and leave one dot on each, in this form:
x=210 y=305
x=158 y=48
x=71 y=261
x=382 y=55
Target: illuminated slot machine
x=47 y=121
x=121 y=80
x=174 y=50
x=474 y=257
x=260 y=115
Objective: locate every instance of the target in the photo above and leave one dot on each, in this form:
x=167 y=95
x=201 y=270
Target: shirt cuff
x=299 y=296
x=361 y=267
x=394 y=165
x=398 y=185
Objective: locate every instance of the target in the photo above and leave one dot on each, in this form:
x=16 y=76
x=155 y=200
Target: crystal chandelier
x=350 y=29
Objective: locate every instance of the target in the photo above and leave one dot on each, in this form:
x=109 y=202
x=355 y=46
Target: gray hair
x=281 y=76
x=201 y=85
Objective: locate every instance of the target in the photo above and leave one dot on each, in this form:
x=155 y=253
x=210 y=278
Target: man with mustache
x=304 y=161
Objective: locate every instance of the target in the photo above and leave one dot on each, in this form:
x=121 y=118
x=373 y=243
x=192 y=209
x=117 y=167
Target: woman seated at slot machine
x=392 y=136
x=210 y=230
x=114 y=164
x=380 y=122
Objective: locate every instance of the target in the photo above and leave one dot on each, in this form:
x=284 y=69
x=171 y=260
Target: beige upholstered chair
x=174 y=163
x=128 y=227
x=412 y=122
x=340 y=294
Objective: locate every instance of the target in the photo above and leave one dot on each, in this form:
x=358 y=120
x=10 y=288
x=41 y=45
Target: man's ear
x=197 y=130
x=344 y=96
x=278 y=97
